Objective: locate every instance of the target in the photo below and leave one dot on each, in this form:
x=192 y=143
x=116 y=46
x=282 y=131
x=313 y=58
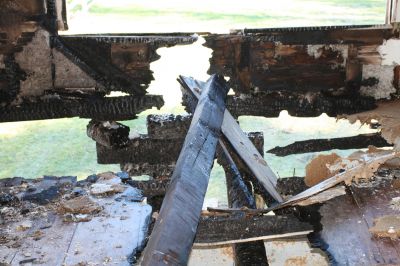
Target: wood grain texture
x=361 y=141
x=173 y=234
x=239 y=141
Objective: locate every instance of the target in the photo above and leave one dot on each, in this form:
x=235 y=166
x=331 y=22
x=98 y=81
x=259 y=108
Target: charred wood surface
x=239 y=195
x=146 y=153
x=168 y=126
x=142 y=150
x=296 y=59
x=119 y=63
x=237 y=138
x=316 y=145
x=222 y=230
x=297 y=104
x=174 y=232
x=109 y=134
x=101 y=109
x=154 y=170
x=151 y=188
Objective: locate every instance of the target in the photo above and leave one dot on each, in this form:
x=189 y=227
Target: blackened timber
x=101 y=109
x=315 y=145
x=144 y=168
x=142 y=150
x=120 y=63
x=151 y=188
x=192 y=90
x=362 y=34
x=220 y=230
x=300 y=105
x=168 y=126
x=239 y=195
x=156 y=170
x=172 y=238
x=108 y=133
x=138 y=155
x=308 y=59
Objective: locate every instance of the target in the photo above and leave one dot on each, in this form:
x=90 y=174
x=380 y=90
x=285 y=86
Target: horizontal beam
x=297 y=104
x=142 y=150
x=101 y=109
x=316 y=145
x=219 y=230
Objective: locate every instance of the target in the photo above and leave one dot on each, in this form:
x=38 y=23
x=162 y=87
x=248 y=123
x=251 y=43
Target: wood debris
x=324 y=196
x=101 y=189
x=317 y=170
x=326 y=166
x=388 y=115
x=387 y=227
x=80 y=205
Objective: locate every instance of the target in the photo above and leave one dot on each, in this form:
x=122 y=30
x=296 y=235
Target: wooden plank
x=173 y=234
x=346 y=233
x=115 y=237
x=330 y=182
x=374 y=202
x=239 y=195
x=51 y=247
x=101 y=109
x=241 y=143
x=141 y=150
x=214 y=231
x=315 y=145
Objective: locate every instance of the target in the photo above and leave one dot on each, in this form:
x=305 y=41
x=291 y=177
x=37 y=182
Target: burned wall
x=43 y=75
x=330 y=63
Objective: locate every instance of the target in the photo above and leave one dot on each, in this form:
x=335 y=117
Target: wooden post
x=175 y=229
x=250 y=253
x=239 y=141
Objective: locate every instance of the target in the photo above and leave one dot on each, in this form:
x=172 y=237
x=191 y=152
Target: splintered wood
x=388 y=115
x=357 y=167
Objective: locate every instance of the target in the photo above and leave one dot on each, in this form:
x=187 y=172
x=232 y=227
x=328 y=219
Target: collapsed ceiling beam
x=192 y=89
x=239 y=195
x=101 y=109
x=361 y=141
x=219 y=230
x=175 y=229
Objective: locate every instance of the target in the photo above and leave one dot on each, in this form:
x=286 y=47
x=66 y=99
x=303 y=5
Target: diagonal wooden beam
x=240 y=142
x=172 y=238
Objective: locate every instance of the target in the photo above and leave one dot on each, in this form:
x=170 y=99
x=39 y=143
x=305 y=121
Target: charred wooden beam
x=109 y=134
x=101 y=109
x=120 y=63
x=239 y=195
x=154 y=170
x=297 y=104
x=237 y=138
x=227 y=230
x=168 y=126
x=334 y=60
x=173 y=234
x=142 y=150
x=144 y=155
x=315 y=145
x=151 y=188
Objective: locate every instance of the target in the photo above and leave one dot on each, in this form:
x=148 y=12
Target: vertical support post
x=172 y=238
